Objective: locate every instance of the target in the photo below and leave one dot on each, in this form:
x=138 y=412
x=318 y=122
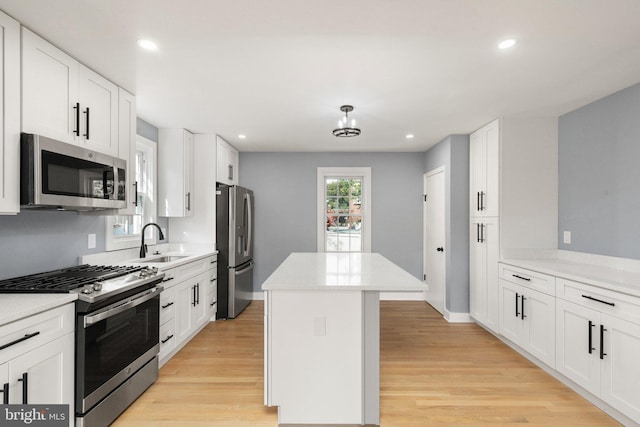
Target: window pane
x=343 y=217
x=331 y=186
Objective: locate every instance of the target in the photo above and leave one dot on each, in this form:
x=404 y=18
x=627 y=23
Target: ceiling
x=278 y=70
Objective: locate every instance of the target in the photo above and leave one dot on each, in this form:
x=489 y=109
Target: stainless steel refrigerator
x=234 y=241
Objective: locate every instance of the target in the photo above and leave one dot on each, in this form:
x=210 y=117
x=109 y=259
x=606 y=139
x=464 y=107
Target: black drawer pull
x=167 y=339
x=25 y=387
x=591 y=348
x=520 y=277
x=168 y=279
x=5 y=394
x=24 y=338
x=213 y=303
x=602 y=331
x=599 y=300
x=167 y=305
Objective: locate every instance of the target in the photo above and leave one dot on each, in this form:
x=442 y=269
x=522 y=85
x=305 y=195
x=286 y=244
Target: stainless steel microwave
x=57 y=175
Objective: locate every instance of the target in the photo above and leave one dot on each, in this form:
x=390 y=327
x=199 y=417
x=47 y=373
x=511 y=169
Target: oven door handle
x=114 y=309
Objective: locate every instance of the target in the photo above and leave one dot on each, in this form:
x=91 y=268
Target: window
x=344 y=205
x=123 y=231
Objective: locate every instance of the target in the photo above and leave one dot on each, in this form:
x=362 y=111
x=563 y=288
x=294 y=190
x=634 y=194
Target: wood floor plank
x=432 y=373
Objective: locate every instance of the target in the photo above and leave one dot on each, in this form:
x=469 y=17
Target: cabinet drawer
x=167 y=338
x=170 y=278
x=42 y=328
x=191 y=269
x=213 y=262
x=167 y=305
x=625 y=307
x=530 y=279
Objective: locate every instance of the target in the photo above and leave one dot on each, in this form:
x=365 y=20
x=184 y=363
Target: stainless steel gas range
x=117 y=333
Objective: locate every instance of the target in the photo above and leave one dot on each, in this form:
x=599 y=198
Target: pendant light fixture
x=346 y=128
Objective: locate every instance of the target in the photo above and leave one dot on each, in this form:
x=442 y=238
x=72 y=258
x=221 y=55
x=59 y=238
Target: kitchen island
x=322 y=329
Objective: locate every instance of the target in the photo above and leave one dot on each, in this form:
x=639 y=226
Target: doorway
x=434 y=250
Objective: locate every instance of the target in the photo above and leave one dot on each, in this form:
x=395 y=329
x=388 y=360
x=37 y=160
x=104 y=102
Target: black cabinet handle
x=591 y=325
x=440 y=249
x=168 y=279
x=77 y=108
x=87 y=113
x=135 y=193
x=478 y=202
x=517 y=298
x=599 y=300
x=197 y=293
x=213 y=303
x=25 y=387
x=482 y=231
x=189 y=201
x=5 y=394
x=478 y=233
x=24 y=338
x=482 y=200
x=520 y=277
x=166 y=339
x=167 y=305
x=193 y=301
x=522 y=315
x=230 y=172
x=602 y=331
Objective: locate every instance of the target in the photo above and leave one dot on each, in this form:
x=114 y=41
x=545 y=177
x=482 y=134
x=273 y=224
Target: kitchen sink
x=165 y=258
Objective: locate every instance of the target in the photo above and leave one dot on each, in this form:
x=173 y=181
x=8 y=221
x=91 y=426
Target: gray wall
x=453 y=154
x=36 y=241
x=599 y=176
x=285 y=204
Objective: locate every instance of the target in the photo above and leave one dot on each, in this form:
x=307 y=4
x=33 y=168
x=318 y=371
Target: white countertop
x=18 y=306
x=341 y=271
x=603 y=276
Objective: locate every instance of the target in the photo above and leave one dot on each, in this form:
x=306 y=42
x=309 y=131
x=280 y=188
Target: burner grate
x=65 y=280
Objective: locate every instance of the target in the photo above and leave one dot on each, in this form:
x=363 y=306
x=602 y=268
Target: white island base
x=322 y=329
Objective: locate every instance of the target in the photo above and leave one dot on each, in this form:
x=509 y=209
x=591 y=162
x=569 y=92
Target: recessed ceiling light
x=506 y=44
x=147 y=44
x=242 y=136
x=409 y=136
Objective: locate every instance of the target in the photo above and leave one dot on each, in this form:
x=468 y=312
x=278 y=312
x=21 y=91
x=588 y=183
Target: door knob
x=440 y=249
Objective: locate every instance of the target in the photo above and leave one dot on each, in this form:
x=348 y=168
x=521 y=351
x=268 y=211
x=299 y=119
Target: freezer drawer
x=240 y=288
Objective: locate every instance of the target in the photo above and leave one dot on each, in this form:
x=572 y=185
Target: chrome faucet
x=143 y=247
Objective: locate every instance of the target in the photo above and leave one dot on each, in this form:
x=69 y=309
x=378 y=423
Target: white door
x=434 y=238
x=620 y=367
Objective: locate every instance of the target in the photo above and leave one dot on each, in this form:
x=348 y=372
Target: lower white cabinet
x=527 y=318
x=483 y=274
x=213 y=289
x=191 y=307
x=599 y=351
x=37 y=359
x=167 y=321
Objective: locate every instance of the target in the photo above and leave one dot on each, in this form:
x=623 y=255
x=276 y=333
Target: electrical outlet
x=566 y=237
x=91 y=241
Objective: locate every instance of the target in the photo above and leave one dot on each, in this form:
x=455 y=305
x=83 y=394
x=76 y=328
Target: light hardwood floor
x=432 y=373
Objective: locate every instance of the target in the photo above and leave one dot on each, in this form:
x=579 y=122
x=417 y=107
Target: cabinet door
x=477 y=171
x=9 y=115
x=484 y=289
x=577 y=344
x=99 y=112
x=50 y=373
x=185 y=301
x=491 y=201
x=234 y=165
x=127 y=145
x=539 y=321
x=620 y=367
x=222 y=172
x=511 y=322
x=49 y=90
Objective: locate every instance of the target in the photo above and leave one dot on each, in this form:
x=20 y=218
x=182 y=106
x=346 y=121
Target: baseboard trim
x=401 y=296
x=457 y=317
x=258 y=296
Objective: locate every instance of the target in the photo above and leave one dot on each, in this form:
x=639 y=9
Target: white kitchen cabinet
x=483 y=273
x=127 y=146
x=175 y=173
x=64 y=100
x=167 y=322
x=484 y=161
x=227 y=162
x=192 y=305
x=598 y=343
x=213 y=289
x=527 y=318
x=40 y=350
x=9 y=115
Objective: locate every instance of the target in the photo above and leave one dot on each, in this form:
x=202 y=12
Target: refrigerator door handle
x=245 y=269
x=247 y=241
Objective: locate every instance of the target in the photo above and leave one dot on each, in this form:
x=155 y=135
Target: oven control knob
x=97 y=286
x=87 y=289
x=154 y=270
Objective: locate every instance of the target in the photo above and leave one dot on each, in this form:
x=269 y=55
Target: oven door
x=113 y=343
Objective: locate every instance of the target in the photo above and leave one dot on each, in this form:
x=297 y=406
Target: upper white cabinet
x=65 y=100
x=175 y=173
x=127 y=145
x=484 y=157
x=9 y=115
x=227 y=163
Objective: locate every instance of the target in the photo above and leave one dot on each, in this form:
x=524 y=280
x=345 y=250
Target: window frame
x=150 y=213
x=344 y=172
